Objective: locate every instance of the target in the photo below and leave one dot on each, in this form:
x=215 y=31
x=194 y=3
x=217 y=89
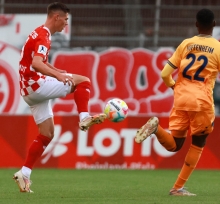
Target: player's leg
x=22 y=177
x=81 y=96
x=41 y=109
x=171 y=141
x=192 y=157
x=46 y=133
x=201 y=126
x=42 y=113
x=178 y=126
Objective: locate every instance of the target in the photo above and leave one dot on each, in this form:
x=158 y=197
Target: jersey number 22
x=196 y=75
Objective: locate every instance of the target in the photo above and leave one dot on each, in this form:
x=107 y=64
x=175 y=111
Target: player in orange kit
x=197 y=60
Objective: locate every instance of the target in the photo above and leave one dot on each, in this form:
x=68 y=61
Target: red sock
x=82 y=96
x=36 y=150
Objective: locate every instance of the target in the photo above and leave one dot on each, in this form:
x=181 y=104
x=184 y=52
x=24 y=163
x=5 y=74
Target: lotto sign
x=105 y=146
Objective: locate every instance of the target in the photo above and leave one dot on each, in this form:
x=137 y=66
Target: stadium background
x=123 y=36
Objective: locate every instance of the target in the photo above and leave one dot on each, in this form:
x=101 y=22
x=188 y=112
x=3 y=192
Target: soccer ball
x=116 y=110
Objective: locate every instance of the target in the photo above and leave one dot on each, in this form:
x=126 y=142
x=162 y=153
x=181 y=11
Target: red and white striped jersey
x=37 y=44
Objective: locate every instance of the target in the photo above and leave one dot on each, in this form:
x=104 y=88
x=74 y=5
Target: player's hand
x=65 y=79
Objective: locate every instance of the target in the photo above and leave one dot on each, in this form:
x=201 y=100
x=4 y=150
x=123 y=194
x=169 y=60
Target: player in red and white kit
x=40 y=82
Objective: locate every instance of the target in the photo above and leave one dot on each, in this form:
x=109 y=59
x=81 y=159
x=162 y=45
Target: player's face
x=61 y=21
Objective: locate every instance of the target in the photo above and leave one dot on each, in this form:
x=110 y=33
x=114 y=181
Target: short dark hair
x=205 y=18
x=57 y=6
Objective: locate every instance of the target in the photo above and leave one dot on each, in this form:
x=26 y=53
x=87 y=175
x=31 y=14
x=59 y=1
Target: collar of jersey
x=204 y=35
x=48 y=31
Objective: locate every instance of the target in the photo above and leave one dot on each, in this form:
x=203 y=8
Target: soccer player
x=40 y=82
x=197 y=60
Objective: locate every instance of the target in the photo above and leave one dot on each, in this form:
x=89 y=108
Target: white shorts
x=39 y=101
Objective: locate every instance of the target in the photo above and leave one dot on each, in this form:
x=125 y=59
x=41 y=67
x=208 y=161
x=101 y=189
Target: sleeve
x=166 y=75
x=42 y=46
x=176 y=58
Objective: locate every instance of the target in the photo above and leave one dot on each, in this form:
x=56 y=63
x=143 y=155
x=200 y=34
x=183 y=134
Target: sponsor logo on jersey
x=42 y=49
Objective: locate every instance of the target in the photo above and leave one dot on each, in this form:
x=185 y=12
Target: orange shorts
x=199 y=123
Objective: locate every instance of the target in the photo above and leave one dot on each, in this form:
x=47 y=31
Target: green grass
x=109 y=186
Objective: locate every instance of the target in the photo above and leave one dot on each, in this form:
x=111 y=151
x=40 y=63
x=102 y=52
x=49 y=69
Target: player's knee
x=87 y=79
x=47 y=133
x=81 y=79
x=179 y=143
x=51 y=135
x=199 y=140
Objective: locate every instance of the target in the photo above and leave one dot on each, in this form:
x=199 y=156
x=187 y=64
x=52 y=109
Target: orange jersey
x=198 y=62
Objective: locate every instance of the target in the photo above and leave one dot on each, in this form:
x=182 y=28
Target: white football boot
x=23 y=182
x=180 y=192
x=146 y=130
x=87 y=122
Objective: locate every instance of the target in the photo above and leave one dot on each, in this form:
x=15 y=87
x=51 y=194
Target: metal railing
x=135 y=23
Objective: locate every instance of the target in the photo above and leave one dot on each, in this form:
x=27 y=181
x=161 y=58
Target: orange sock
x=165 y=139
x=189 y=165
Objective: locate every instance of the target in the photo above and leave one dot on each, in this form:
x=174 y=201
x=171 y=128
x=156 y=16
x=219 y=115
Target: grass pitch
x=109 y=187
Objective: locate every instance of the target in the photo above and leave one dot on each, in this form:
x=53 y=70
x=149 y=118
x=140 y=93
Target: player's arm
x=52 y=67
x=40 y=66
x=166 y=75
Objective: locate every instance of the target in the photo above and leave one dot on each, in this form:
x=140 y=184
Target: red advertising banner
x=104 y=146
x=131 y=75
